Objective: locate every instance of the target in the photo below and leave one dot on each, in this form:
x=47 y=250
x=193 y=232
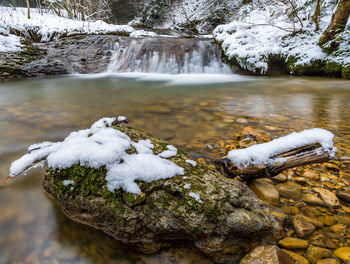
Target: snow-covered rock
x=142 y=202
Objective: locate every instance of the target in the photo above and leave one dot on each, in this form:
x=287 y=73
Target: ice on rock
x=98 y=146
x=262 y=153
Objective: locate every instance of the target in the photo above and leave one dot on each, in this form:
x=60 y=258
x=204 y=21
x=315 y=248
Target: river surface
x=194 y=112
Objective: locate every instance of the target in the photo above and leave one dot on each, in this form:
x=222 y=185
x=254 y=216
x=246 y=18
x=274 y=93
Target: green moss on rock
x=164 y=212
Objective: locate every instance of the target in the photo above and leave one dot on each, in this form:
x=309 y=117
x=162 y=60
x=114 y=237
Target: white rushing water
x=167 y=56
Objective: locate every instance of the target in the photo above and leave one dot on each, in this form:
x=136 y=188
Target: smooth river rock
x=328 y=197
x=293 y=243
x=228 y=222
x=343 y=253
x=267 y=255
x=316 y=253
x=344 y=196
x=289 y=190
x=302 y=226
x=265 y=191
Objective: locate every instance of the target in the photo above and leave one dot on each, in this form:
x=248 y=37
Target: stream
x=195 y=112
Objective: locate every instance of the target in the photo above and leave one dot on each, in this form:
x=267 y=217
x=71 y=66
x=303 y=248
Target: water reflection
x=33 y=229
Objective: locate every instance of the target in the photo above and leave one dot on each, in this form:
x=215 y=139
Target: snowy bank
x=264 y=33
x=47 y=26
x=99 y=146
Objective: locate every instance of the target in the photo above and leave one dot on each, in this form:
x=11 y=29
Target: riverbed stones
x=311 y=175
x=228 y=221
x=316 y=253
x=328 y=197
x=342 y=253
x=312 y=199
x=302 y=226
x=293 y=243
x=323 y=241
x=298 y=259
x=267 y=255
x=344 y=196
x=328 y=261
x=290 y=190
x=265 y=191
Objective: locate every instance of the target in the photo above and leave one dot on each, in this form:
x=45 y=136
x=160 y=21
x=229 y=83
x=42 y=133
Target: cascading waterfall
x=167 y=55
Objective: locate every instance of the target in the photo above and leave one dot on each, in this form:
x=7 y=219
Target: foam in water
x=167 y=56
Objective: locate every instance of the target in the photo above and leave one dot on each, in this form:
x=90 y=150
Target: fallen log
x=279 y=155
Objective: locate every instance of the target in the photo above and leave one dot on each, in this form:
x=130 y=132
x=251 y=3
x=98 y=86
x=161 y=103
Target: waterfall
x=166 y=55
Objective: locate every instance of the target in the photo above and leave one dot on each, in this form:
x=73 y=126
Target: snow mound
x=261 y=154
x=100 y=146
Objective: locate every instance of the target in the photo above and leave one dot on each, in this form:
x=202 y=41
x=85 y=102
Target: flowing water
x=169 y=56
x=193 y=111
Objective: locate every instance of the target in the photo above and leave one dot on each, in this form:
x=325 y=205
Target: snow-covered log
x=270 y=159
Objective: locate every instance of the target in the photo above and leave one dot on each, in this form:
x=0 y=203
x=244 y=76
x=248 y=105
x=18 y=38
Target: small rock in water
x=293 y=243
x=265 y=191
x=247 y=142
x=328 y=261
x=343 y=253
x=338 y=228
x=328 y=197
x=302 y=226
x=273 y=128
x=257 y=135
x=312 y=199
x=280 y=177
x=344 y=196
x=323 y=241
x=330 y=166
x=310 y=175
x=289 y=190
x=316 y=253
x=298 y=258
x=267 y=255
x=242 y=120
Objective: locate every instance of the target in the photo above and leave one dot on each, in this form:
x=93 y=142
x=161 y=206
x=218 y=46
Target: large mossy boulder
x=220 y=216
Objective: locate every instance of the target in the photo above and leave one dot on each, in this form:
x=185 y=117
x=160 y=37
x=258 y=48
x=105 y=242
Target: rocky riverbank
x=316 y=201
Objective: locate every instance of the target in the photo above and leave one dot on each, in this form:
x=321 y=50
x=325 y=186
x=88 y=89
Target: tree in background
x=337 y=25
x=28 y=8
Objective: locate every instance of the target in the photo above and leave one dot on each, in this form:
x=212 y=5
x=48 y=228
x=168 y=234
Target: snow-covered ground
x=264 y=29
x=49 y=26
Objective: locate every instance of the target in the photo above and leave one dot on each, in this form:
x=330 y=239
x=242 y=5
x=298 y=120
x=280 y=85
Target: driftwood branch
x=307 y=154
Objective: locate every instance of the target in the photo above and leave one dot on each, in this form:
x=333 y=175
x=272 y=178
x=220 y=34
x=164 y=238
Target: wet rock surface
x=77 y=54
x=227 y=221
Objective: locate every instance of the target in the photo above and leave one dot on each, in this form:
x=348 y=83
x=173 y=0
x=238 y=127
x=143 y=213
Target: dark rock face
x=79 y=54
x=225 y=223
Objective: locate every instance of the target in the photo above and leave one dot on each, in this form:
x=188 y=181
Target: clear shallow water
x=189 y=112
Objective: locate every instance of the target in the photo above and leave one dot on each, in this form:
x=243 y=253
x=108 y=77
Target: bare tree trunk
x=28 y=7
x=338 y=23
x=316 y=17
